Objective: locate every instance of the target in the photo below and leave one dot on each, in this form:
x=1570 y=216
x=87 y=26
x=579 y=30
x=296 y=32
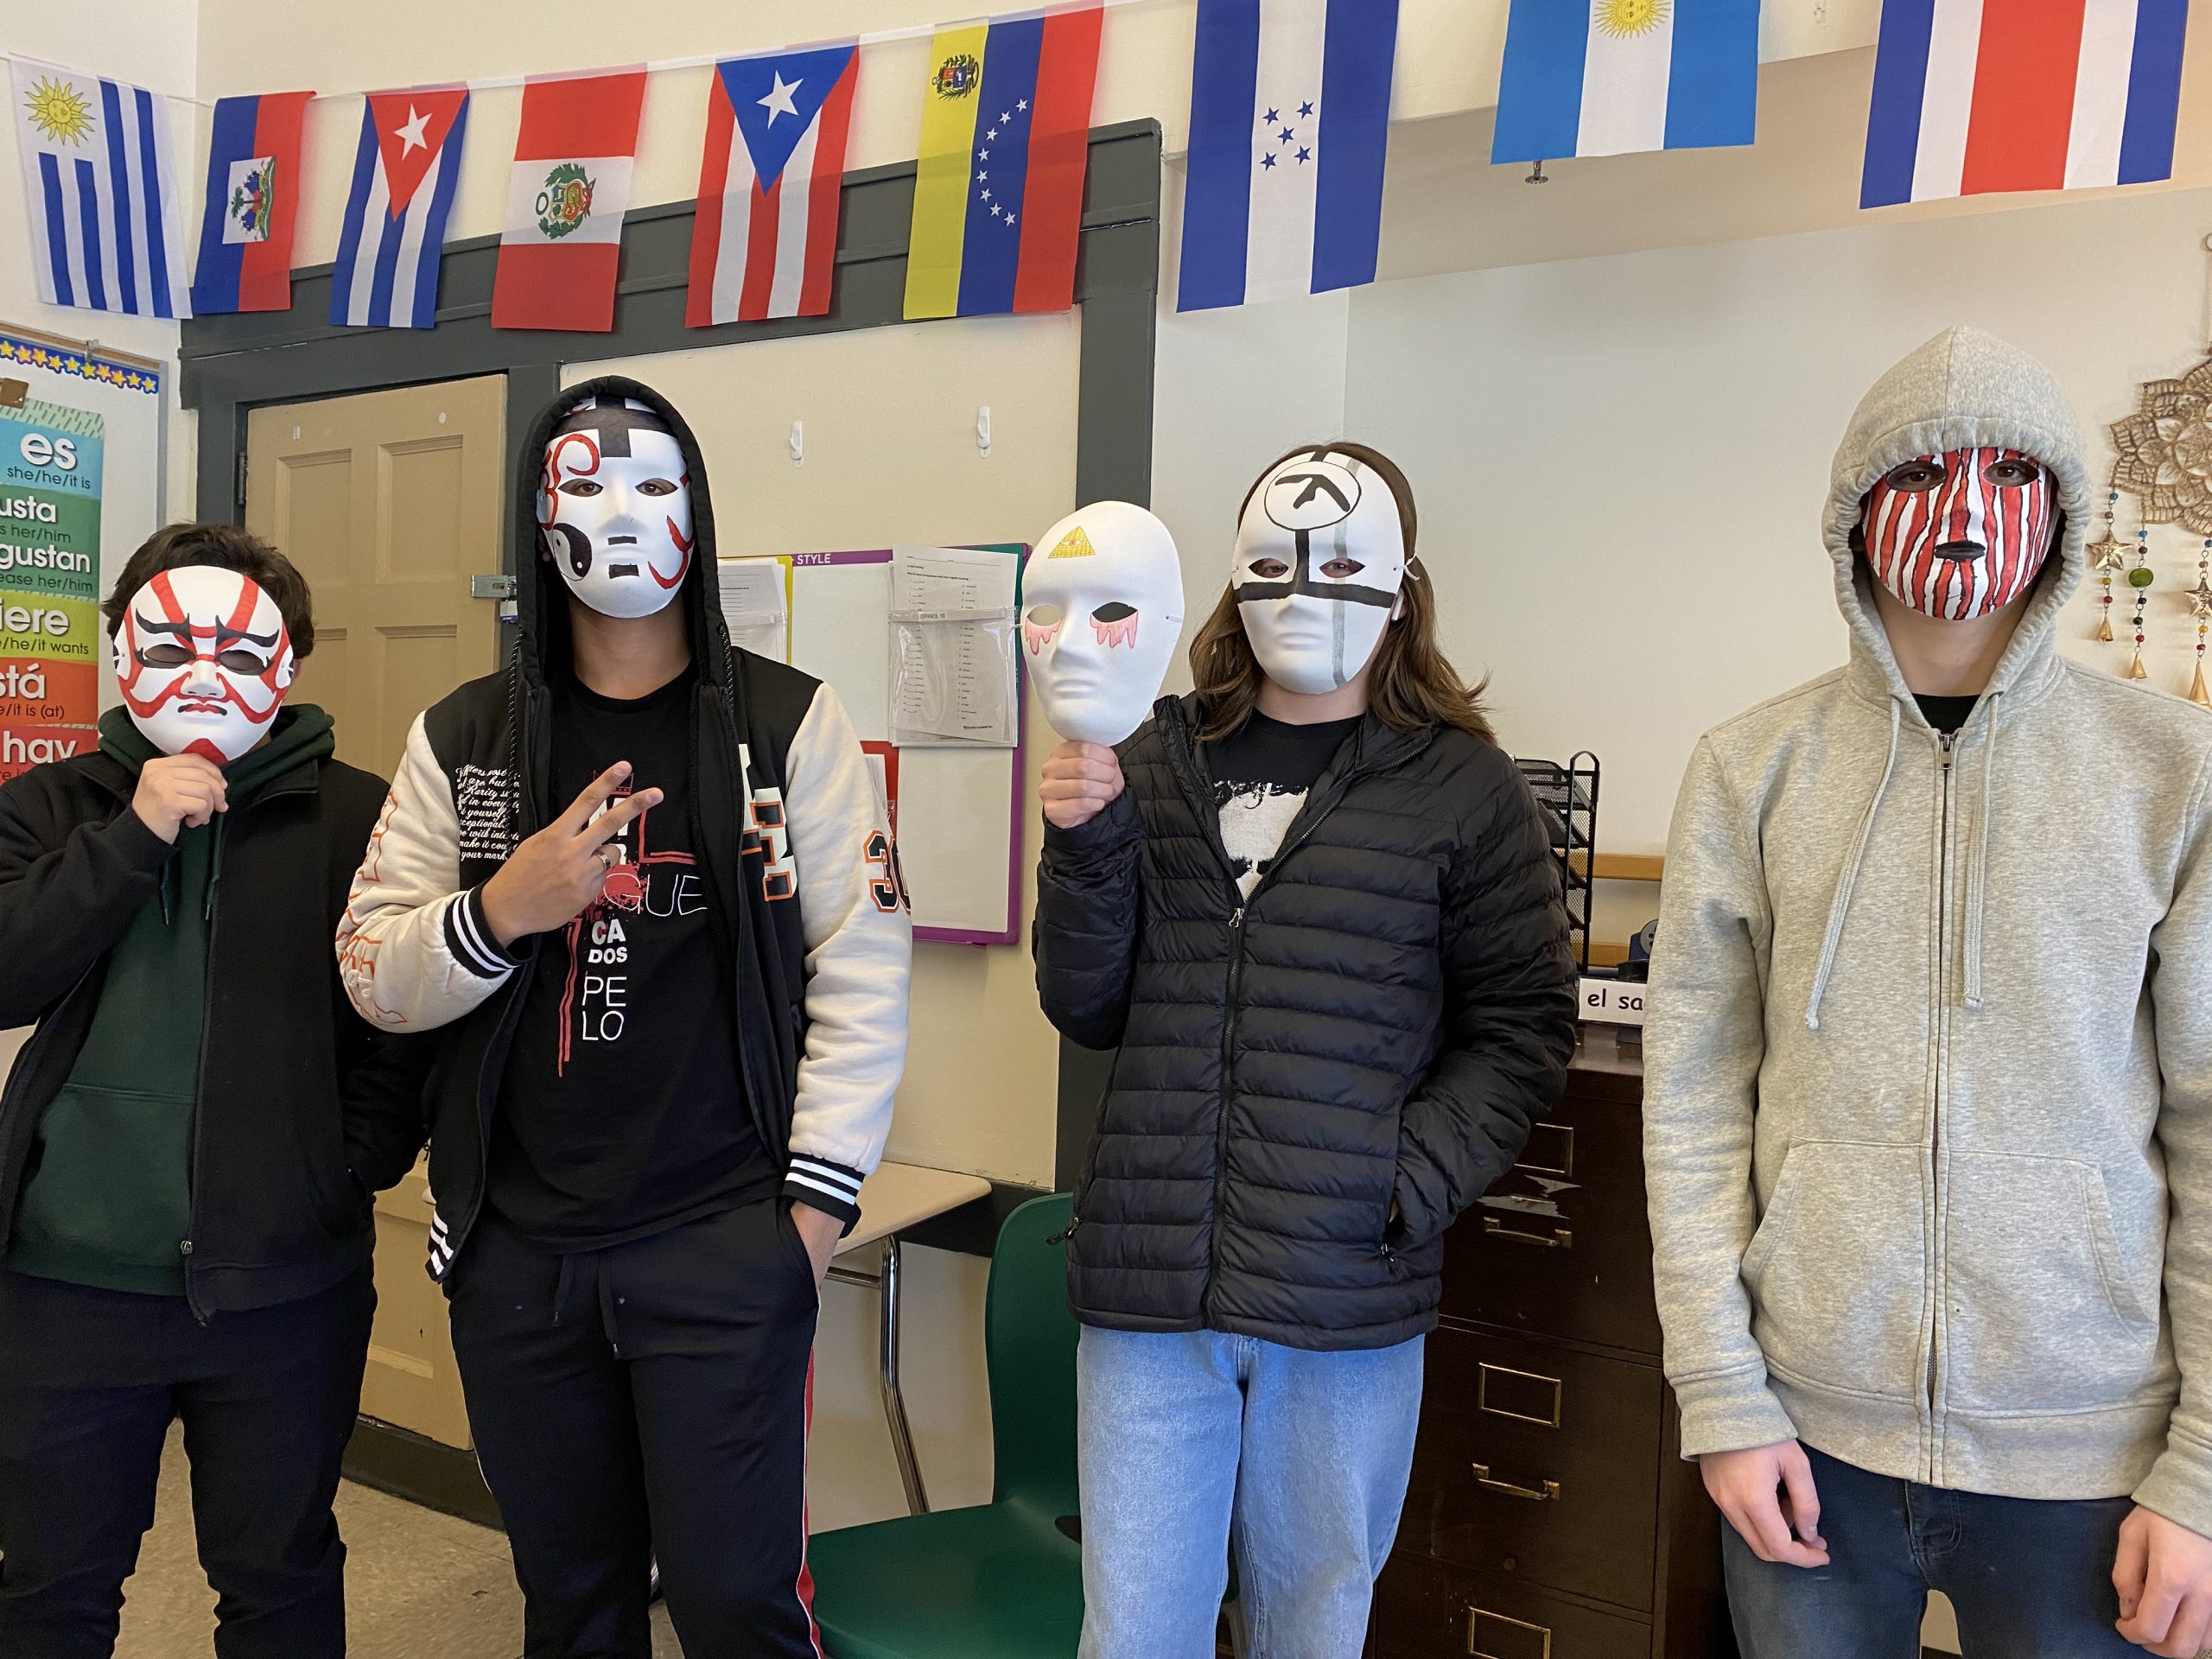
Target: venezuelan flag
x=1005 y=131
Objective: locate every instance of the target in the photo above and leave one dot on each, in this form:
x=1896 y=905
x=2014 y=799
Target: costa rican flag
x=1977 y=96
x=763 y=241
x=394 y=227
x=97 y=178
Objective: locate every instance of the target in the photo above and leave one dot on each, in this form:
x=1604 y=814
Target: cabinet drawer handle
x=1548 y=1495
x=1477 y=1615
x=1562 y=1238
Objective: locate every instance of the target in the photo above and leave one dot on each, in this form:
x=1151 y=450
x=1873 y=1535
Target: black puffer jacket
x=1382 y=1021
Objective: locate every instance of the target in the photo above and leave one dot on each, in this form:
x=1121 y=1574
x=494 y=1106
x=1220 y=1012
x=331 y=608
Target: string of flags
x=1290 y=104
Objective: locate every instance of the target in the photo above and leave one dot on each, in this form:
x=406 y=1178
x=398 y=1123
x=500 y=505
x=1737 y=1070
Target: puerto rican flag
x=1976 y=96
x=561 y=248
x=395 y=228
x=763 y=242
x=253 y=182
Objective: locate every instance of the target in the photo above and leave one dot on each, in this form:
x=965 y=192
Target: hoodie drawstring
x=1978 y=861
x=1850 y=878
x=215 y=870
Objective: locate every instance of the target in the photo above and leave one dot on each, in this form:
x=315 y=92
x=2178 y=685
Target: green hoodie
x=107 y=1198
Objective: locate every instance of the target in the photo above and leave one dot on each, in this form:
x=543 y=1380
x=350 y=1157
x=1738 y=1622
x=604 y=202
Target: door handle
x=1548 y=1494
x=1562 y=1238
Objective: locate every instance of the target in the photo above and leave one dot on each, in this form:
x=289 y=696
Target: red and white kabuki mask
x=615 y=507
x=204 y=660
x=1958 y=535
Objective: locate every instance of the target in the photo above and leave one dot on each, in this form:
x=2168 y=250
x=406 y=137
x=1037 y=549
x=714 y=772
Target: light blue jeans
x=1307 y=1454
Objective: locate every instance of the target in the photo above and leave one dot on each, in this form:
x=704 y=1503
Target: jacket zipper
x=1946 y=743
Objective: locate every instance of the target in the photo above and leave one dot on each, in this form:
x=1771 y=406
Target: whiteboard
x=957 y=812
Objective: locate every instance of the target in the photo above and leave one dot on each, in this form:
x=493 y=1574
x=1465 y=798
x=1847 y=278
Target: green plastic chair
x=1002 y=1580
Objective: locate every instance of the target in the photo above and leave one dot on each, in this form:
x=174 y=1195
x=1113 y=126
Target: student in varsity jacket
x=645 y=884
x=1317 y=908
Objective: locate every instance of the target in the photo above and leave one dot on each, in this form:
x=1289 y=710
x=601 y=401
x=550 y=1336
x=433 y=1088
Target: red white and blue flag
x=395 y=228
x=763 y=241
x=1976 y=96
x=253 y=181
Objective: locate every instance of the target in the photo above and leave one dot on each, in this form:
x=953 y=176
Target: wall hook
x=799 y=443
x=983 y=429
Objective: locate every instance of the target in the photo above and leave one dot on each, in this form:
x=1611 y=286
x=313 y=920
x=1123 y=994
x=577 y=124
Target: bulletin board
x=82 y=443
x=956 y=813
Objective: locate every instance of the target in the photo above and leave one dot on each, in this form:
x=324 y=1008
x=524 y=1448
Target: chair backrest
x=1029 y=1339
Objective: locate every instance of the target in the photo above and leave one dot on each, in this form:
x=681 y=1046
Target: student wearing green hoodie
x=190 y=1139
x=1928 y=1080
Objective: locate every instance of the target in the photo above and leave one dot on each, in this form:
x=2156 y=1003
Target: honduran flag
x=1006 y=135
x=1290 y=112
x=1616 y=77
x=394 y=227
x=253 y=181
x=561 y=248
x=764 y=240
x=1975 y=95
x=98 y=182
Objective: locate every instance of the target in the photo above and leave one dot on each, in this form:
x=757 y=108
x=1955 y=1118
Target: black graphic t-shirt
x=620 y=1111
x=1261 y=772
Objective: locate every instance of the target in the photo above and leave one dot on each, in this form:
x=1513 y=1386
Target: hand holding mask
x=1102 y=609
x=1320 y=559
x=1959 y=535
x=203 y=659
x=615 y=507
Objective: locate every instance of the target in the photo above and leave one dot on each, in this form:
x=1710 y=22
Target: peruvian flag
x=563 y=244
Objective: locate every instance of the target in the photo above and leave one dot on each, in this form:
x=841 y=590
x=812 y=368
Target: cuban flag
x=98 y=182
x=395 y=228
x=1975 y=95
x=254 y=180
x=998 y=190
x=764 y=239
x=1290 y=114
x=1616 y=77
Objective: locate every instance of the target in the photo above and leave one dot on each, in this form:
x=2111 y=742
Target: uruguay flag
x=1614 y=77
x=764 y=237
x=1974 y=96
x=253 y=181
x=1290 y=113
x=394 y=227
x=97 y=177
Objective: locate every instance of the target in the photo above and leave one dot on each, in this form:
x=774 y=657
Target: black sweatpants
x=648 y=1402
x=89 y=1381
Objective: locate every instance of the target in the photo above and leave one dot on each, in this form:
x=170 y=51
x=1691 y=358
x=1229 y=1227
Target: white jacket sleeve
x=1703 y=1042
x=860 y=952
x=413 y=947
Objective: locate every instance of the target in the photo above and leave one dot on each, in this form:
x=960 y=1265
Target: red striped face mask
x=1957 y=535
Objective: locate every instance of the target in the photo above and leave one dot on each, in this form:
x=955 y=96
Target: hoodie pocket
x=1837 y=1268
x=2042 y=1311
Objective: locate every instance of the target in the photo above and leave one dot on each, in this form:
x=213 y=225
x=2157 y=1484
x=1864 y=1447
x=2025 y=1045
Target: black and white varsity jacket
x=794 y=845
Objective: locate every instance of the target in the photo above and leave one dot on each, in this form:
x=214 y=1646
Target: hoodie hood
x=1962 y=389
x=541 y=598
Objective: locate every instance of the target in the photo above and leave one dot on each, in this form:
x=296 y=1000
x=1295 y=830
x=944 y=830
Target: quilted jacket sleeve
x=1085 y=936
x=1509 y=1014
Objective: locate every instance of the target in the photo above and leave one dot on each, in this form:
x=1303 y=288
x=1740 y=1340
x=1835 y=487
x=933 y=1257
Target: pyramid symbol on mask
x=1074 y=545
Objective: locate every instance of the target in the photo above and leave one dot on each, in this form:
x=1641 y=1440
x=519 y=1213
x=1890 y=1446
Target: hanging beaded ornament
x=2107 y=554
x=2200 y=607
x=2140 y=578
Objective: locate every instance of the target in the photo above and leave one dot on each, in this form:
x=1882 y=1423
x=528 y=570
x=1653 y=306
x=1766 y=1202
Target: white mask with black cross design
x=1319 y=565
x=614 y=506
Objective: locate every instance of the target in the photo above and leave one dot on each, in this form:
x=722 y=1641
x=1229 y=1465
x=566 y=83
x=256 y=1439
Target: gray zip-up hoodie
x=1928 y=1091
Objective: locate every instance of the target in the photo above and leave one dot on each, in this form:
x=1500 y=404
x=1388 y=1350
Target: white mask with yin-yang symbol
x=614 y=506
x=1320 y=560
x=1102 y=607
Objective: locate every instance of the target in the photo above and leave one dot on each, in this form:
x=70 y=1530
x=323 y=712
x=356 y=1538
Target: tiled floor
x=418 y=1585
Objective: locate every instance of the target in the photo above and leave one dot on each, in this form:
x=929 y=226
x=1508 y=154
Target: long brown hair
x=1411 y=683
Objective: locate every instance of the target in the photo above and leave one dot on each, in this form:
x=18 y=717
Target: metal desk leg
x=894 y=1404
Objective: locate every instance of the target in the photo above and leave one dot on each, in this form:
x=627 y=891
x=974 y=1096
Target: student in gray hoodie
x=1929 y=1103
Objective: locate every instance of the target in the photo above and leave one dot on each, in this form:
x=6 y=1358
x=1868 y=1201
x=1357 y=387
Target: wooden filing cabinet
x=1550 y=1515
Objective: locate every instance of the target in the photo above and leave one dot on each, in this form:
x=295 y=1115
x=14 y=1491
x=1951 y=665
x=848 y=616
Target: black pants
x=648 y=1402
x=89 y=1381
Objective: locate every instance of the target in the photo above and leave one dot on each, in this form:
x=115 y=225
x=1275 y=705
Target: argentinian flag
x=1607 y=76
